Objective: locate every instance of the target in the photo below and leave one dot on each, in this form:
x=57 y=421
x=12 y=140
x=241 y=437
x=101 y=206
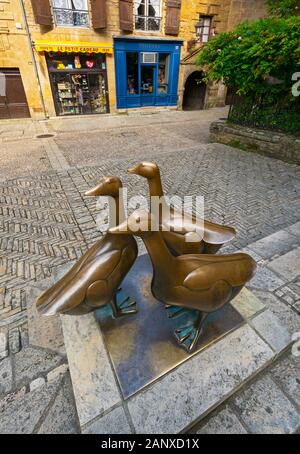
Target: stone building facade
x=101 y=56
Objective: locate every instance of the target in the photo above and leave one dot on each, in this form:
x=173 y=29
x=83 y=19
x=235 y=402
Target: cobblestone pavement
x=45 y=222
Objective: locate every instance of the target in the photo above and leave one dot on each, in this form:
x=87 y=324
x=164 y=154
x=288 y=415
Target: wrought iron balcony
x=148 y=23
x=71 y=18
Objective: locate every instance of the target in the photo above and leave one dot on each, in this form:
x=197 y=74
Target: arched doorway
x=194 y=92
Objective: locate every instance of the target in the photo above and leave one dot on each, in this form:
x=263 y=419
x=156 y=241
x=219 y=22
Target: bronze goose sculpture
x=204 y=283
x=211 y=236
x=95 y=279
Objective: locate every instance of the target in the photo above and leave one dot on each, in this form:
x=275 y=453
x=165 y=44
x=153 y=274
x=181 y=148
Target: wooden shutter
x=126 y=15
x=98 y=8
x=42 y=12
x=173 y=17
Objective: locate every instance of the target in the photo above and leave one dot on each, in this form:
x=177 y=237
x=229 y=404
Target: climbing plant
x=282 y=8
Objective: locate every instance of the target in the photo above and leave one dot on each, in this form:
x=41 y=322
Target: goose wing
x=236 y=270
x=71 y=290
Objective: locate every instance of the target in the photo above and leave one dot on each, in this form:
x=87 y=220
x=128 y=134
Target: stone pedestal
x=130 y=375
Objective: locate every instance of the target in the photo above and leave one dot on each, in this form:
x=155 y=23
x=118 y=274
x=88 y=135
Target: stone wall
x=269 y=143
x=241 y=10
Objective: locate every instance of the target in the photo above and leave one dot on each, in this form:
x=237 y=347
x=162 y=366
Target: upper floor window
x=204 y=29
x=71 y=13
x=148 y=15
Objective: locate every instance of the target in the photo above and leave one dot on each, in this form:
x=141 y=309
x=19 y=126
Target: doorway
x=194 y=92
x=13 y=102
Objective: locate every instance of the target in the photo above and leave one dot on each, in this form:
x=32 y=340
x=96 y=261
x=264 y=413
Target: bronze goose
x=204 y=283
x=95 y=279
x=214 y=235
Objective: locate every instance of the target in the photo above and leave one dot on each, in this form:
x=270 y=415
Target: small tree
x=257 y=59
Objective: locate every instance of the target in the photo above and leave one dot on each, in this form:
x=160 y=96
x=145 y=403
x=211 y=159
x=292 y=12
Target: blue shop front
x=147 y=72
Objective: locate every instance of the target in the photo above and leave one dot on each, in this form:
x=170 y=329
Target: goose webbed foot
x=188 y=336
x=122 y=306
x=175 y=311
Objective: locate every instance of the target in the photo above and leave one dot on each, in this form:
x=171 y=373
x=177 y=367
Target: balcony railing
x=147 y=23
x=71 y=18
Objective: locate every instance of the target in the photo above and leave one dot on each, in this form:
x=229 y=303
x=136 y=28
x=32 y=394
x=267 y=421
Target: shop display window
x=78 y=83
x=132 y=73
x=62 y=61
x=163 y=73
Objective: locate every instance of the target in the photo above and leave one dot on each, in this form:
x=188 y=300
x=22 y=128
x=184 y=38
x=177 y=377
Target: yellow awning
x=73 y=47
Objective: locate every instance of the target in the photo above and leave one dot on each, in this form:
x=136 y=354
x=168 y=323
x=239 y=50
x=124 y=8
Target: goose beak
x=95 y=192
x=133 y=170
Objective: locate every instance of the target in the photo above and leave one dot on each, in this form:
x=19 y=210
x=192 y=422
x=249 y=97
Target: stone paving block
x=266 y=410
x=277 y=244
x=285 y=314
x=287 y=266
x=290 y=294
x=37 y=383
x=3 y=345
x=113 y=423
x=199 y=384
x=93 y=381
x=265 y=279
x=62 y=417
x=294 y=229
x=45 y=332
x=287 y=374
x=270 y=328
x=31 y=363
x=59 y=371
x=223 y=423
x=247 y=304
x=23 y=415
x=8 y=398
x=6 y=376
x=253 y=254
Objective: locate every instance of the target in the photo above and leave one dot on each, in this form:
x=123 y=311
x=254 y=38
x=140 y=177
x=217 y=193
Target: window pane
x=148 y=15
x=132 y=59
x=163 y=73
x=147 y=80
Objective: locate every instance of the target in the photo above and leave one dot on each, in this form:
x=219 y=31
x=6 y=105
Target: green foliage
x=282 y=8
x=258 y=60
x=258 y=57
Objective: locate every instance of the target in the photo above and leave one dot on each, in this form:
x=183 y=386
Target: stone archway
x=194 y=92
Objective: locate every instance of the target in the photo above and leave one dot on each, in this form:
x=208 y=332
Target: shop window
x=132 y=59
x=148 y=15
x=78 y=83
x=204 y=29
x=71 y=13
x=62 y=61
x=163 y=73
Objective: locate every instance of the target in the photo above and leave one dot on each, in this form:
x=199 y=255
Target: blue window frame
x=147 y=72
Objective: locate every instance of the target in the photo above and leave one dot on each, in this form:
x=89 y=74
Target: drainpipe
x=33 y=59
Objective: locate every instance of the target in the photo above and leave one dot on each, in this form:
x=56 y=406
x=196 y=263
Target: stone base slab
x=183 y=395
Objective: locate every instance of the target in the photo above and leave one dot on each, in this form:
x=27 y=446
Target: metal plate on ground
x=143 y=347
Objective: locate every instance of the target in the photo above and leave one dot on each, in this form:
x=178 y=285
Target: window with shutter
x=173 y=17
x=71 y=13
x=42 y=12
x=98 y=8
x=148 y=15
x=126 y=15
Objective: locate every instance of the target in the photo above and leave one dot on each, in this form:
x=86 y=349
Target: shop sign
x=84 y=48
